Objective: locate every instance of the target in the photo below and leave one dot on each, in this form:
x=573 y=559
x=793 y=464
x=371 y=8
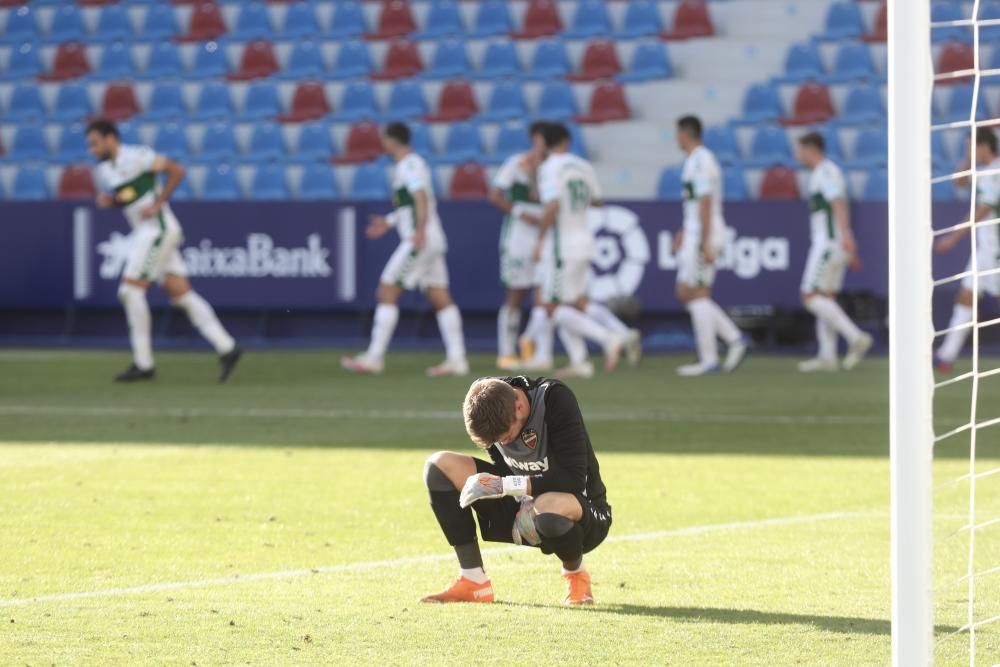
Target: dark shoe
x=228 y=361
x=134 y=374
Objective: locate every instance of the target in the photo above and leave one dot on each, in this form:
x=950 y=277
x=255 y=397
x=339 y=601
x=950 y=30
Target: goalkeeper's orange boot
x=579 y=588
x=463 y=590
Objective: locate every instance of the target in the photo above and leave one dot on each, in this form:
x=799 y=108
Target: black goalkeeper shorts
x=496 y=517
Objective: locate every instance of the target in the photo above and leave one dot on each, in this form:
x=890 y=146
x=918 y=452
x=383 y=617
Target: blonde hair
x=488 y=410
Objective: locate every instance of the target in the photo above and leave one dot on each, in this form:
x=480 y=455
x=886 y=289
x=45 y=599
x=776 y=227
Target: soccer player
x=698 y=245
x=418 y=262
x=833 y=249
x=987 y=256
x=126 y=177
x=541 y=487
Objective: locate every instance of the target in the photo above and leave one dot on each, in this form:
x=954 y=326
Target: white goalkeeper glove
x=485 y=486
x=524 y=531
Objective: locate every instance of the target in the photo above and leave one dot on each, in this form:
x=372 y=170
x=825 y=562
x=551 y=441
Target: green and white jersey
x=516 y=236
x=129 y=177
x=988 y=194
x=701 y=177
x=409 y=176
x=572 y=181
x=826 y=185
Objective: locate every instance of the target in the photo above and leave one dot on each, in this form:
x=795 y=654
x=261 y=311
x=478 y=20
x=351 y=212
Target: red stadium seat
x=308 y=103
x=880 y=31
x=779 y=183
x=119 y=102
x=363 y=144
x=955 y=57
x=468 y=181
x=607 y=102
x=207 y=23
x=812 y=105
x=12 y=3
x=70 y=63
x=258 y=61
x=402 y=61
x=456 y=102
x=600 y=61
x=76 y=182
x=395 y=20
x=691 y=19
x=541 y=19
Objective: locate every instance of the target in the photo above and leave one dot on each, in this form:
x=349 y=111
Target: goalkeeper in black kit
x=542 y=486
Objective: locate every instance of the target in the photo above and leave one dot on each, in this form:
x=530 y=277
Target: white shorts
x=986 y=260
x=565 y=281
x=825 y=269
x=154 y=252
x=518 y=271
x=692 y=269
x=415 y=269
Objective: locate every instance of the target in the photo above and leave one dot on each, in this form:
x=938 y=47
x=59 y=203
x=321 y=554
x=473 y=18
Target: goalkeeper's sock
x=827 y=339
x=474 y=574
x=703 y=323
x=574 y=567
x=137 y=314
x=457 y=524
x=955 y=339
x=386 y=317
x=508 y=324
x=830 y=311
x=607 y=319
x=560 y=536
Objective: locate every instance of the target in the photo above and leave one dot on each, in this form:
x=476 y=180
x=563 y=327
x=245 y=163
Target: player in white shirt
x=831 y=251
x=126 y=177
x=418 y=262
x=697 y=246
x=987 y=256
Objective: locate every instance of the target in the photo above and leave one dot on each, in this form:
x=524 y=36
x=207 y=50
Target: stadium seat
x=29 y=184
x=607 y=103
x=363 y=143
x=876 y=186
x=734 y=185
x=72 y=103
x=115 y=63
x=119 y=102
x=589 y=20
x=129 y=132
x=955 y=57
x=832 y=141
x=541 y=19
x=348 y=21
x=207 y=23
x=691 y=19
x=988 y=11
x=268 y=183
x=576 y=144
x=220 y=184
x=492 y=19
x=213 y=103
x=506 y=102
x=70 y=63
x=218 y=144
x=261 y=101
x=761 y=104
x=456 y=101
x=949 y=11
x=812 y=105
x=24 y=63
x=802 y=63
x=267 y=144
x=28 y=144
x=549 y=61
x=210 y=62
x=308 y=103
x=863 y=104
x=770 y=147
x=172 y=141
x=779 y=183
x=843 y=21
x=314 y=143
x=318 y=182
x=76 y=182
x=600 y=61
x=499 y=61
x=649 y=63
x=22 y=26
x=880 y=29
x=160 y=22
x=853 y=63
x=257 y=62
x=642 y=19
x=253 y=22
x=66 y=26
x=462 y=143
x=402 y=60
x=943 y=191
x=468 y=181
x=406 y=101
x=300 y=21
x=670 y=187
x=183 y=191
x=72 y=145
x=721 y=140
x=395 y=20
x=449 y=61
x=305 y=62
x=871 y=149
x=556 y=101
x=113 y=24
x=940 y=155
x=369 y=182
x=443 y=20
x=25 y=103
x=164 y=61
x=420 y=141
x=511 y=138
x=353 y=60
x=166 y=102
x=357 y=103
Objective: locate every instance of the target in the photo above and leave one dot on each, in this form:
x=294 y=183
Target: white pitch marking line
x=430 y=558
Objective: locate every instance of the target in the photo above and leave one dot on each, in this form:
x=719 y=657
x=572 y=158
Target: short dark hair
x=813 y=139
x=691 y=125
x=538 y=127
x=986 y=137
x=555 y=134
x=105 y=128
x=398 y=131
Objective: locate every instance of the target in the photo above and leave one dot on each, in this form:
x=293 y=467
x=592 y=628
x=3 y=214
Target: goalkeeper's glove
x=484 y=485
x=524 y=531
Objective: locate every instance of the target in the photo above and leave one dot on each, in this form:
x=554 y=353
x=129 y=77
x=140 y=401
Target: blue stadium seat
x=28 y=144
x=770 y=147
x=734 y=185
x=314 y=143
x=369 y=182
x=589 y=20
x=556 y=101
x=721 y=140
x=499 y=61
x=300 y=21
x=871 y=149
x=348 y=21
x=268 y=183
x=129 y=133
x=72 y=103
x=213 y=102
x=863 y=104
x=171 y=140
x=449 y=61
x=831 y=137
x=72 y=146
x=218 y=144
x=209 y=61
x=113 y=24
x=67 y=25
x=164 y=61
x=220 y=184
x=267 y=144
x=30 y=184
x=166 y=101
x=353 y=60
x=261 y=101
x=183 y=191
x=843 y=21
x=22 y=26
x=761 y=104
x=318 y=182
x=649 y=62
x=940 y=155
x=802 y=63
x=549 y=61
x=420 y=141
x=305 y=62
x=511 y=138
x=576 y=142
x=506 y=102
x=357 y=103
x=642 y=19
x=160 y=22
x=669 y=186
x=24 y=63
x=989 y=11
x=949 y=11
x=406 y=101
x=853 y=63
x=25 y=103
x=876 y=186
x=115 y=63
x=443 y=20
x=253 y=22
x=492 y=19
x=945 y=190
x=463 y=143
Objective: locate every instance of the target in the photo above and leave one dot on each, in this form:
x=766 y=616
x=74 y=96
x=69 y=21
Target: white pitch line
x=415 y=415
x=430 y=558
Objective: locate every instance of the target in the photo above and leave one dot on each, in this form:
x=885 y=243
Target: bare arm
x=498 y=199
x=705 y=214
x=548 y=219
x=842 y=217
x=420 y=218
x=175 y=174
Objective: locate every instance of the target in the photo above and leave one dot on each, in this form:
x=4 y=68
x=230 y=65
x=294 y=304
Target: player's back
x=572 y=181
x=701 y=176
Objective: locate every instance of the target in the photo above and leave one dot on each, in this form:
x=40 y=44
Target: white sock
x=576 y=348
x=204 y=319
x=579 y=569
x=703 y=323
x=386 y=316
x=954 y=340
x=827 y=339
x=581 y=325
x=450 y=323
x=724 y=326
x=830 y=312
x=536 y=321
x=607 y=319
x=542 y=333
x=139 y=320
x=508 y=325
x=476 y=574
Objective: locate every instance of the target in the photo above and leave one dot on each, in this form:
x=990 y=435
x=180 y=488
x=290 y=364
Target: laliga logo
x=746 y=256
x=621 y=252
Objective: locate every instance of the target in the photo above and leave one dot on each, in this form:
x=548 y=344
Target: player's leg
x=559 y=524
x=508 y=327
x=449 y=320
x=536 y=343
x=569 y=287
x=736 y=343
x=696 y=300
x=604 y=316
x=826 y=340
x=145 y=244
x=825 y=276
x=202 y=316
x=958 y=330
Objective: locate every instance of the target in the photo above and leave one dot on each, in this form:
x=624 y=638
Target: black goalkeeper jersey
x=554 y=448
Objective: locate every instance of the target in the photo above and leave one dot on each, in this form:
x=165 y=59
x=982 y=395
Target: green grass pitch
x=281 y=519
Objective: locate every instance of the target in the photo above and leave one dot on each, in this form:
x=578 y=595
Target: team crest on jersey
x=530 y=438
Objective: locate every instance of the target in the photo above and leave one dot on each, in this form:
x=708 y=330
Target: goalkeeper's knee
x=560 y=536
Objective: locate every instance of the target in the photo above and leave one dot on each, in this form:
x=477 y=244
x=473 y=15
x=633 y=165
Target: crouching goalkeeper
x=541 y=488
